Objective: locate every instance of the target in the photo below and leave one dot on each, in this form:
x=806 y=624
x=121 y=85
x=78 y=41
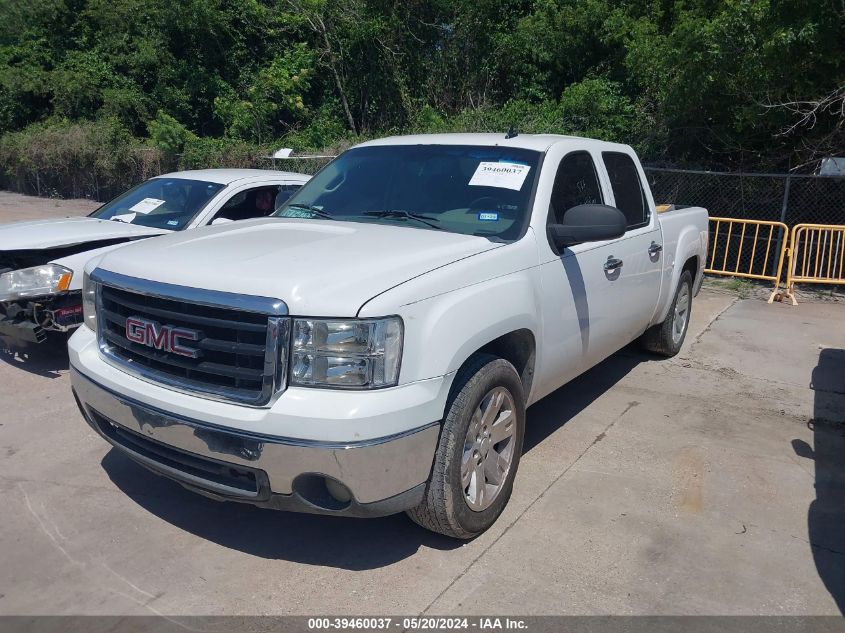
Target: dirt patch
x=15 y=207
x=688 y=471
x=753 y=289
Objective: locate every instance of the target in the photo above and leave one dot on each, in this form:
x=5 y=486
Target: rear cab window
x=627 y=188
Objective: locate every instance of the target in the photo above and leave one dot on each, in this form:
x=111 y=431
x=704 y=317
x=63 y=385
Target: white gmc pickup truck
x=373 y=347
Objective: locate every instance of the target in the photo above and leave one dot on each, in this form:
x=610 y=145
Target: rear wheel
x=478 y=452
x=667 y=338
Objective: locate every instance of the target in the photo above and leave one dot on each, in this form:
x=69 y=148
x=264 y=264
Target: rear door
x=638 y=253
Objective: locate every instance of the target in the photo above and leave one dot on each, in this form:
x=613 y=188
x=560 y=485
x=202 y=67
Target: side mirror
x=217 y=221
x=588 y=223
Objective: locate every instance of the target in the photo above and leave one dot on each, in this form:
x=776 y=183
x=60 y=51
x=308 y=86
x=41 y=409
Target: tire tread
x=658 y=338
x=433 y=512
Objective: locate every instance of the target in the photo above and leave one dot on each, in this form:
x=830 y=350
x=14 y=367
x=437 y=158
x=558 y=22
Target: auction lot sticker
x=502 y=175
x=146 y=205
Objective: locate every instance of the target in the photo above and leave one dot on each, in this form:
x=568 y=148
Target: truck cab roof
x=536 y=142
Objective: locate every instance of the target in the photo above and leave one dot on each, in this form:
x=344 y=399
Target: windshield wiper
x=312 y=209
x=400 y=213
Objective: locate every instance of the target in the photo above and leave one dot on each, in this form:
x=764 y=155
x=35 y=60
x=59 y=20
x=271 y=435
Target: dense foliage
x=737 y=83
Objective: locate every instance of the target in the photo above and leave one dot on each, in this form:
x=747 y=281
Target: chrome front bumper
x=383 y=476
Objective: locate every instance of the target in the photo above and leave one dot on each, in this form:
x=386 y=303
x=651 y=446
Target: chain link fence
x=791 y=199
x=300 y=164
x=87 y=181
x=786 y=198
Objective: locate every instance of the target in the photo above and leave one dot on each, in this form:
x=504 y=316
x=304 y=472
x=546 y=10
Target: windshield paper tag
x=146 y=205
x=502 y=175
x=487 y=216
x=124 y=217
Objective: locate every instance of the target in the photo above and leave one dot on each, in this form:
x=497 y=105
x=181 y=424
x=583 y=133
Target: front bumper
x=382 y=475
x=28 y=321
x=21 y=332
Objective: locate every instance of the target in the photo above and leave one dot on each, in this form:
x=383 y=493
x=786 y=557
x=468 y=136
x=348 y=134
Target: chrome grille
x=238 y=354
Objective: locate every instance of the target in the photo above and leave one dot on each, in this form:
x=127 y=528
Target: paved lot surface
x=712 y=483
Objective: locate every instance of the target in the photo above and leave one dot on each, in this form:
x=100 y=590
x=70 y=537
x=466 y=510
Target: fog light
x=338 y=490
x=322 y=492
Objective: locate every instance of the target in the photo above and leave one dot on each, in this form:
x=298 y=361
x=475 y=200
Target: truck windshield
x=483 y=191
x=161 y=203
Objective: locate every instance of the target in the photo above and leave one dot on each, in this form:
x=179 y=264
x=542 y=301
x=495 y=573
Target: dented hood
x=38 y=234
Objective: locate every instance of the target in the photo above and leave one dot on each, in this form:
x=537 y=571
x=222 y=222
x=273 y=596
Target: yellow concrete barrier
x=763 y=243
x=816 y=256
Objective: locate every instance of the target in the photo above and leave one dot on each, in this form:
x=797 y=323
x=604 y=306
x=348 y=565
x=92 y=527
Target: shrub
x=84 y=159
x=167 y=134
x=201 y=153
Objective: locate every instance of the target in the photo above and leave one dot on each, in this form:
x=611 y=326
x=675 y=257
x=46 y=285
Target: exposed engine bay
x=17 y=259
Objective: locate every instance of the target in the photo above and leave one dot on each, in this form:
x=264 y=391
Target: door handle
x=612 y=264
x=655 y=248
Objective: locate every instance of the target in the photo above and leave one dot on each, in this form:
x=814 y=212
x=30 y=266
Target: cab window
x=576 y=182
x=258 y=202
x=627 y=188
x=285 y=192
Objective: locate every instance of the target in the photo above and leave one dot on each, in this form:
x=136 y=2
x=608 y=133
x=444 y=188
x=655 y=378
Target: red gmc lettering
x=182 y=333
x=163 y=337
x=136 y=330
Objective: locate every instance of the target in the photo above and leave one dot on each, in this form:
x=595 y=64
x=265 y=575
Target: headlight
x=89 y=307
x=346 y=354
x=37 y=281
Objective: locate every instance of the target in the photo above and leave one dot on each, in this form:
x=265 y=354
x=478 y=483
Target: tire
x=449 y=507
x=667 y=338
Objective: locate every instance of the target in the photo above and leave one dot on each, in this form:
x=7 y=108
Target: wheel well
x=519 y=349
x=692 y=266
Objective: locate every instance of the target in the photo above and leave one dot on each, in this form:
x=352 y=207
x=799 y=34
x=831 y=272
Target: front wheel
x=666 y=338
x=478 y=452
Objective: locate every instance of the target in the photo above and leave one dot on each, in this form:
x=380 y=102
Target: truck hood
x=39 y=234
x=318 y=267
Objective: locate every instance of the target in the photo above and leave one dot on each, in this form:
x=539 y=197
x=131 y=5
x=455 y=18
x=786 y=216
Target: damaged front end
x=35 y=296
x=28 y=321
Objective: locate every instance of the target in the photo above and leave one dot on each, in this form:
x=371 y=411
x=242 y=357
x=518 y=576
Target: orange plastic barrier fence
x=816 y=256
x=754 y=249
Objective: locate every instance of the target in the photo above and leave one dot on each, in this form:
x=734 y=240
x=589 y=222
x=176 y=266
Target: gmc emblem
x=167 y=338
